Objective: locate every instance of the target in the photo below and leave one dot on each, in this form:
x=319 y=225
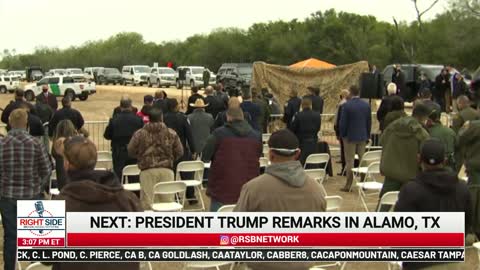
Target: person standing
x=221 y=119
x=386 y=105
x=294 y=190
x=47 y=98
x=145 y=111
x=215 y=104
x=18 y=101
x=397 y=111
x=291 y=108
x=24 y=167
x=119 y=108
x=206 y=78
x=442 y=88
x=89 y=190
x=65 y=129
x=201 y=123
x=67 y=112
x=398 y=78
x=306 y=125
x=435 y=189
x=262 y=120
x=401 y=142
x=465 y=113
x=355 y=127
x=119 y=131
x=156 y=148
x=317 y=100
x=220 y=93
x=160 y=101
x=192 y=99
x=252 y=109
x=344 y=97
x=444 y=134
x=234 y=151
x=459 y=88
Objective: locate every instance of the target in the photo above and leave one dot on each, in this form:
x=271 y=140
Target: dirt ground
x=99 y=107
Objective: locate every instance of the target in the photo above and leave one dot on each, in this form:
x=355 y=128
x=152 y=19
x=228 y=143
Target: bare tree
x=421 y=13
x=473 y=6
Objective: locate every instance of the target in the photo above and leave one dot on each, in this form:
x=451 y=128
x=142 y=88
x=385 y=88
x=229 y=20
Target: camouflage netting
x=281 y=79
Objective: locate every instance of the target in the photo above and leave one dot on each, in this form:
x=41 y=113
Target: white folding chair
x=367 y=158
x=104 y=157
x=265 y=150
x=38 y=266
x=175 y=188
x=53 y=191
x=316 y=174
x=129 y=171
x=226 y=208
x=263 y=162
x=334 y=203
x=323 y=266
x=145 y=266
x=370 y=187
x=317 y=159
x=197 y=167
x=207 y=265
x=389 y=199
x=266 y=137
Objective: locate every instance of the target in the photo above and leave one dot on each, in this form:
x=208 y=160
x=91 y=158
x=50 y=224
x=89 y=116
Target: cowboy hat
x=198 y=103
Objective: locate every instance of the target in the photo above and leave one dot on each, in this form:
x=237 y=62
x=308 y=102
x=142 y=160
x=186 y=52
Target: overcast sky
x=27 y=24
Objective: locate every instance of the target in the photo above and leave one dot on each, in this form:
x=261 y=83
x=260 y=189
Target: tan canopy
x=280 y=80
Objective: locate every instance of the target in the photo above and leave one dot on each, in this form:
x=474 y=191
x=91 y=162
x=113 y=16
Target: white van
x=136 y=74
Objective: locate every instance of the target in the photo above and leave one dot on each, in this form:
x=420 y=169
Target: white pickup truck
x=61 y=86
x=8 y=83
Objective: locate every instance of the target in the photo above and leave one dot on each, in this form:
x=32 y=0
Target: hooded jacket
x=234 y=150
x=97 y=191
x=155 y=146
x=294 y=192
x=435 y=191
x=401 y=142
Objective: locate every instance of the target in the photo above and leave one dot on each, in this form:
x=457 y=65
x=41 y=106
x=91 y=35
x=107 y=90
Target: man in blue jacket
x=355 y=127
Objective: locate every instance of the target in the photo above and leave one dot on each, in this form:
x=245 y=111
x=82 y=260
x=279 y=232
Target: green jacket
x=468 y=146
x=401 y=142
x=444 y=134
x=467 y=114
x=392 y=116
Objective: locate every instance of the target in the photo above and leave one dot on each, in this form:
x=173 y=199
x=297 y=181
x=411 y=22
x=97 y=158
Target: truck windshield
x=197 y=70
x=245 y=70
x=112 y=71
x=142 y=69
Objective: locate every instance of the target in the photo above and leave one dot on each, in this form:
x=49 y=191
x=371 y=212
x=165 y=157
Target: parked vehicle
x=20 y=74
x=3 y=71
x=90 y=72
x=193 y=76
x=235 y=75
x=8 y=83
x=77 y=74
x=61 y=86
x=161 y=76
x=135 y=74
x=34 y=73
x=109 y=75
x=56 y=72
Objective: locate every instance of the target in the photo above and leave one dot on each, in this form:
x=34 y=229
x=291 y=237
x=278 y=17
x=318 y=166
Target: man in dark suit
x=306 y=125
x=67 y=112
x=386 y=105
x=355 y=127
x=291 y=107
x=48 y=98
x=215 y=104
x=317 y=100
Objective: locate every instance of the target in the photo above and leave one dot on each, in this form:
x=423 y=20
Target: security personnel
x=206 y=78
x=445 y=134
x=306 y=125
x=291 y=107
x=465 y=113
x=120 y=130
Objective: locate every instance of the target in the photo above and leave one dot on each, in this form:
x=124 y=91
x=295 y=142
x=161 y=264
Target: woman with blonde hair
x=65 y=129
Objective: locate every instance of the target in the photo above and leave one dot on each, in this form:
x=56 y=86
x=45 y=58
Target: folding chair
x=370 y=187
x=226 y=208
x=38 y=266
x=104 y=157
x=367 y=158
x=317 y=159
x=324 y=266
x=390 y=199
x=145 y=266
x=129 y=171
x=266 y=137
x=197 y=167
x=263 y=162
x=334 y=203
x=175 y=188
x=317 y=174
x=265 y=150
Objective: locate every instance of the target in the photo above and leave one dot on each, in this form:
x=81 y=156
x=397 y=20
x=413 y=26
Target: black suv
x=109 y=75
x=234 y=75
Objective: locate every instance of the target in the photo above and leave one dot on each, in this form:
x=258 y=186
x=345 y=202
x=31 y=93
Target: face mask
x=45 y=90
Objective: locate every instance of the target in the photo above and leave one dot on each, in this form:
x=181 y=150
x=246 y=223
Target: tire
x=71 y=94
x=124 y=83
x=29 y=95
x=158 y=83
x=192 y=84
x=3 y=89
x=83 y=97
x=167 y=86
x=114 y=83
x=148 y=83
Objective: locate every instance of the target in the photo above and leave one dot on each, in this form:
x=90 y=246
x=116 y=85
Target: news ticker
x=47 y=224
x=241 y=254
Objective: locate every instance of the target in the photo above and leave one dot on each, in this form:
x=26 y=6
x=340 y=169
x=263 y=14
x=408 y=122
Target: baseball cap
x=283 y=142
x=432 y=152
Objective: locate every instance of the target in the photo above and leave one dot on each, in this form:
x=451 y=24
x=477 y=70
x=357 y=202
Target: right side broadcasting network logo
x=224 y=240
